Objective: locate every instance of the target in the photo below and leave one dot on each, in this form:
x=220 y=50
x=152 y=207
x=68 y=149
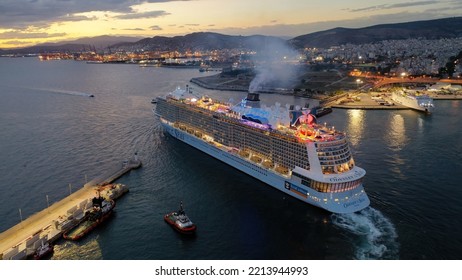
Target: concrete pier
x=23 y=239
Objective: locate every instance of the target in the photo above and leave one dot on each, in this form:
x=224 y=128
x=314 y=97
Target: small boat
x=101 y=210
x=43 y=251
x=154 y=101
x=321 y=111
x=180 y=221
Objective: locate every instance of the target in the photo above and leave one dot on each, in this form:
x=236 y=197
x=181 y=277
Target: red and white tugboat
x=180 y=221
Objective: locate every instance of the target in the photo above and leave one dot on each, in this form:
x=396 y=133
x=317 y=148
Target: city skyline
x=25 y=23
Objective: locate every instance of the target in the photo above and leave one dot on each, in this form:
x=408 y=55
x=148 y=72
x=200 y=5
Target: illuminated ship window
x=335 y=187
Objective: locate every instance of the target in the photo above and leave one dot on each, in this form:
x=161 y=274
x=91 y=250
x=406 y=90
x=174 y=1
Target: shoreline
x=366 y=102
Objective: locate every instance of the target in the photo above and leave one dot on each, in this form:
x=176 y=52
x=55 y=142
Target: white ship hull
x=340 y=202
x=419 y=103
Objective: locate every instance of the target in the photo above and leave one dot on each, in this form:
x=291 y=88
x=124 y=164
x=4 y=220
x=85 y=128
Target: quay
x=22 y=240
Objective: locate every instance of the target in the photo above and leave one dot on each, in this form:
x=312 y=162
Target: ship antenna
x=181 y=211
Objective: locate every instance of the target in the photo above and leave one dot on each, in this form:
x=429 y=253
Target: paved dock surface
x=43 y=219
x=41 y=225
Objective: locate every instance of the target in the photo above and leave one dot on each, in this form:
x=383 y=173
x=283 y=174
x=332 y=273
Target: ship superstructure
x=421 y=102
x=282 y=146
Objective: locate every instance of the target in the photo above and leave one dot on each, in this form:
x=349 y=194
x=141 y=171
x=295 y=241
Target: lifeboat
x=282 y=169
x=244 y=154
x=256 y=159
x=268 y=164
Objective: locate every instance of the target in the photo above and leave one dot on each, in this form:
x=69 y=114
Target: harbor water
x=53 y=136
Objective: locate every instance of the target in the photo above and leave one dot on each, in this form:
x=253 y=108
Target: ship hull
x=169 y=218
x=344 y=202
x=86 y=225
x=411 y=103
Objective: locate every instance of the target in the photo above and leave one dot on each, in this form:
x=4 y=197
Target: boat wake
x=69 y=92
x=374 y=236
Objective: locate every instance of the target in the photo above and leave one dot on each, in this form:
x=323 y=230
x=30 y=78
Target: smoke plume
x=276 y=66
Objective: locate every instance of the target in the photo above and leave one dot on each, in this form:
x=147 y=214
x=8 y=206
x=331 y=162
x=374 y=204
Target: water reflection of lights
x=396 y=136
x=420 y=124
x=355 y=126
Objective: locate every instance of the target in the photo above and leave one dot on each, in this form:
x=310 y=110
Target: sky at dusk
x=29 y=22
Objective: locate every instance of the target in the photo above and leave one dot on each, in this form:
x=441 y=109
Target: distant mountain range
x=429 y=29
x=202 y=41
x=99 y=42
x=82 y=44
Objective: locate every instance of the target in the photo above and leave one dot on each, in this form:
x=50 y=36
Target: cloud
x=155 y=27
x=75 y=18
x=18 y=14
x=393 y=6
x=151 y=14
x=293 y=30
x=133 y=29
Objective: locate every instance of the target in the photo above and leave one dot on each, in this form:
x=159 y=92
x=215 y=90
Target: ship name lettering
x=351 y=177
x=348 y=204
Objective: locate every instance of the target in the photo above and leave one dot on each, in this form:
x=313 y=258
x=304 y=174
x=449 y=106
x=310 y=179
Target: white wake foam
x=374 y=236
x=69 y=92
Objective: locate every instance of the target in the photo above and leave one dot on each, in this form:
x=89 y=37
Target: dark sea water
x=52 y=135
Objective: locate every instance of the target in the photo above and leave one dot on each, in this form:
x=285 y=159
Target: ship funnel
x=253 y=100
x=294 y=113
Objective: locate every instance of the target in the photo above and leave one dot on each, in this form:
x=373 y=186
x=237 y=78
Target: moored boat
x=321 y=111
x=180 y=221
x=101 y=210
x=417 y=102
x=43 y=251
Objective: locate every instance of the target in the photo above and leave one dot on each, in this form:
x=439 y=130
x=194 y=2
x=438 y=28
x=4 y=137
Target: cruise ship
x=282 y=146
x=422 y=103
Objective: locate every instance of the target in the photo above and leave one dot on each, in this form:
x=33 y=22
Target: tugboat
x=180 y=221
x=101 y=210
x=43 y=251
